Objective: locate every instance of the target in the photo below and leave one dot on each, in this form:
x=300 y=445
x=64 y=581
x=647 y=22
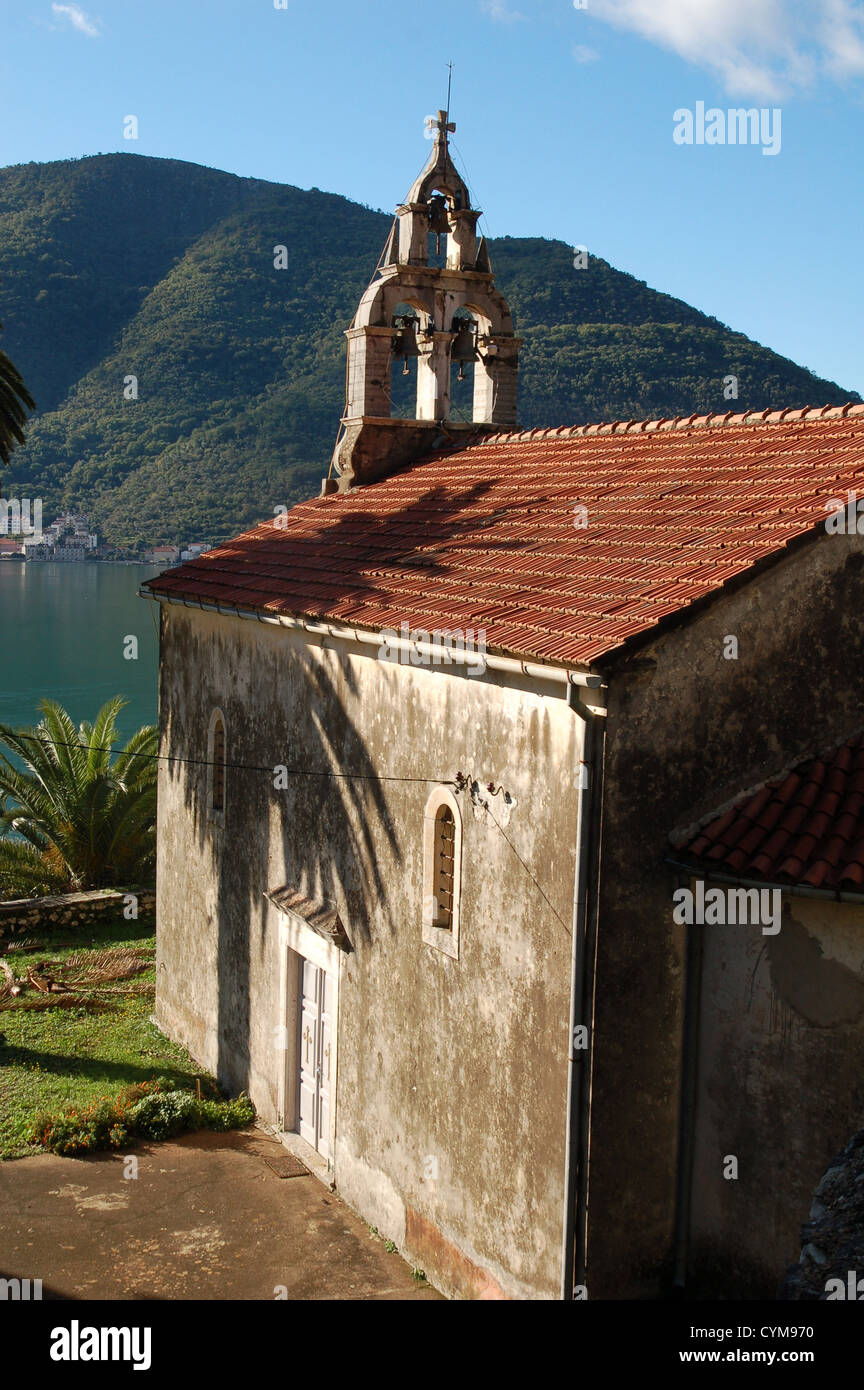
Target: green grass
x=57 y=1057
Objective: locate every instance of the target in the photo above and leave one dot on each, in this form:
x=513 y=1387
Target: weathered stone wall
x=69 y=911
x=451 y=1073
x=687 y=732
x=781 y=1082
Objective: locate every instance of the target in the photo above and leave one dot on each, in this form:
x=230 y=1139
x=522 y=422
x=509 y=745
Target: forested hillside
x=122 y=265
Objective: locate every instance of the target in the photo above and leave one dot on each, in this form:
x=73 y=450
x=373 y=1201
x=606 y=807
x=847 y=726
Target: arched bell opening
x=485 y=365
x=463 y=362
x=439 y=228
x=405 y=352
x=386 y=382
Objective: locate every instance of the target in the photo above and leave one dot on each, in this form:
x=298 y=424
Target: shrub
x=150 y=1110
x=164 y=1114
x=228 y=1114
x=82 y=1130
x=103 y=1124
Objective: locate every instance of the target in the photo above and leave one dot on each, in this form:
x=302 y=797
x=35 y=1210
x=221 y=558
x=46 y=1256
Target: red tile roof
x=484 y=537
x=804 y=828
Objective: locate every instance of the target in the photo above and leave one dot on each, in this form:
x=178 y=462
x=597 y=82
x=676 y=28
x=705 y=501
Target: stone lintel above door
x=316 y=914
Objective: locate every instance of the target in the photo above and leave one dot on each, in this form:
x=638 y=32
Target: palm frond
x=88 y=822
x=103 y=734
x=136 y=764
x=57 y=1001
x=26 y=872
x=65 y=740
x=89 y=968
x=15 y=401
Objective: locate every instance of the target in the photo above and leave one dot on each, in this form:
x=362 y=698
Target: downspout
x=688 y=1099
x=583 y=958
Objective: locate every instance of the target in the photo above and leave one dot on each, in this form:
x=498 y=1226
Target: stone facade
x=450 y=1082
x=449 y=1096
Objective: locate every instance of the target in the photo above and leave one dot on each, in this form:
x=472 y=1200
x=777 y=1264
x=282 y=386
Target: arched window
x=445 y=850
x=442 y=871
x=216 y=766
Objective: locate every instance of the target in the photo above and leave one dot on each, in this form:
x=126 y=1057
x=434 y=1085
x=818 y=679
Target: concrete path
x=206 y=1218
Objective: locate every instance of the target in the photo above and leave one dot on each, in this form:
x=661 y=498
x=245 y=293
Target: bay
x=63 y=629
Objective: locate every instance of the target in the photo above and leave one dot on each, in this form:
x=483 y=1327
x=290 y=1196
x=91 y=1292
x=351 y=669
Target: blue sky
x=564 y=115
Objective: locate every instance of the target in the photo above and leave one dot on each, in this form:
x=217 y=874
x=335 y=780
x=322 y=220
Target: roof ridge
x=680 y=422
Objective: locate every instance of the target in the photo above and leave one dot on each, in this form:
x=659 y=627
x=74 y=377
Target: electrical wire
x=484 y=221
x=550 y=905
x=459 y=782
x=239 y=767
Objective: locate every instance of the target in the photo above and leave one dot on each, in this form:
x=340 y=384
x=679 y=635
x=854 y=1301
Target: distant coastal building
x=162 y=555
x=36 y=549
x=172 y=554
x=76 y=548
x=68 y=538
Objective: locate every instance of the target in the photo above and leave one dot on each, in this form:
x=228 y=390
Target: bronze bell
x=464 y=347
x=404 y=341
x=439 y=222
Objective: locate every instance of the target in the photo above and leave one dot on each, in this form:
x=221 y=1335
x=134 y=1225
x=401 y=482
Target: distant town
x=70 y=539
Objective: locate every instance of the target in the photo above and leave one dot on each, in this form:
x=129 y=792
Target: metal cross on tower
x=444 y=127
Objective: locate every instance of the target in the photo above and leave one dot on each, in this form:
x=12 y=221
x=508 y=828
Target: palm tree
x=15 y=401
x=79 y=821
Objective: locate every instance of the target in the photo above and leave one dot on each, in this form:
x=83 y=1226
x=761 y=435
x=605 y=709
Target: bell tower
x=431 y=314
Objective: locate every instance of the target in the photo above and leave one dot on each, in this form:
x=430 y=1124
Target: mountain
x=122 y=265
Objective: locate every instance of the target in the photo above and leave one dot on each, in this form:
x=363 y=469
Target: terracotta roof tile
x=821 y=848
x=484 y=535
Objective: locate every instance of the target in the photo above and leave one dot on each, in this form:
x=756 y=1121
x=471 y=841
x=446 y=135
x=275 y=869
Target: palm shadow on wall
x=328 y=825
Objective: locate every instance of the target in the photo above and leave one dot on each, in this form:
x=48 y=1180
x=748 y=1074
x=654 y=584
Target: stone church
x=511 y=822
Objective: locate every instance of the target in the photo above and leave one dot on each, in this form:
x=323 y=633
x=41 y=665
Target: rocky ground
x=833 y=1237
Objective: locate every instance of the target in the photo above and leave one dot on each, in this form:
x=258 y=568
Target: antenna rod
x=449 y=84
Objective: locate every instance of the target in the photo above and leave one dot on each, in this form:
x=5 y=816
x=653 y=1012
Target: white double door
x=315 y=1052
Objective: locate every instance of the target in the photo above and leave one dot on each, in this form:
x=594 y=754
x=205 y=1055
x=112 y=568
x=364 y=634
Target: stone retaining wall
x=71 y=911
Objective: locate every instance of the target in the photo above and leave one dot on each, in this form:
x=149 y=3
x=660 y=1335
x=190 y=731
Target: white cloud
x=843 y=37
x=757 y=47
x=501 y=12
x=78 y=19
x=583 y=54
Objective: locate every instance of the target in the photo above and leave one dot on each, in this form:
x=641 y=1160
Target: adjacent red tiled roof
x=484 y=537
x=804 y=828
